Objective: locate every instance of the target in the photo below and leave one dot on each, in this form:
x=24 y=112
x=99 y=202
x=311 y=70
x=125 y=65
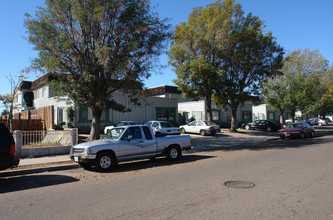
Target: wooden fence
x=32 y=120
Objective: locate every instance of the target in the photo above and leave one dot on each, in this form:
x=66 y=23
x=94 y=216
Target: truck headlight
x=88 y=151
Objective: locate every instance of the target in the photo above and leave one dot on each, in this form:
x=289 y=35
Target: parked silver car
x=200 y=127
x=317 y=121
x=162 y=127
x=122 y=123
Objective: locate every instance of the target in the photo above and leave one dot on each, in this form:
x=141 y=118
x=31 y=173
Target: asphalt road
x=289 y=179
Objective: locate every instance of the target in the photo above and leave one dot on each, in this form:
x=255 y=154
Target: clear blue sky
x=295 y=23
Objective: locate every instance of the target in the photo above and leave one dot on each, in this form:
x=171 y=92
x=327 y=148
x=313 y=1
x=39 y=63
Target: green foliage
x=220 y=51
x=70 y=113
x=4 y=112
x=302 y=87
x=97 y=47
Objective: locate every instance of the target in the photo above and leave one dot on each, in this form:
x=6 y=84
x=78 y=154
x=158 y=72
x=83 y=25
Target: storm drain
x=239 y=184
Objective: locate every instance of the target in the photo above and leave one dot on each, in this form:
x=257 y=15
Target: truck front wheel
x=173 y=153
x=104 y=162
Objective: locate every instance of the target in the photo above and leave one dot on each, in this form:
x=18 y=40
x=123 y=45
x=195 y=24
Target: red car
x=297 y=130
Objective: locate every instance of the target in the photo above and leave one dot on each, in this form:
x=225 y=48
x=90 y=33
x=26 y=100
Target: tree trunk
x=95 y=127
x=233 y=106
x=292 y=116
x=281 y=117
x=209 y=107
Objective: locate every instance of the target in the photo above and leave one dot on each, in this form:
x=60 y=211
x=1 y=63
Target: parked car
x=317 y=121
x=262 y=125
x=162 y=127
x=297 y=130
x=7 y=149
x=297 y=119
x=200 y=127
x=122 y=123
x=128 y=143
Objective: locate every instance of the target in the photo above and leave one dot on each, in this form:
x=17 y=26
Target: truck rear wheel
x=104 y=162
x=173 y=153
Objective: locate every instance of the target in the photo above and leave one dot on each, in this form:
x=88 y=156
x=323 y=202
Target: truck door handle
x=140 y=142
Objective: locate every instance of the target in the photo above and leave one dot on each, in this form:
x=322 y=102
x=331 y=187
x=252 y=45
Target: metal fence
x=47 y=138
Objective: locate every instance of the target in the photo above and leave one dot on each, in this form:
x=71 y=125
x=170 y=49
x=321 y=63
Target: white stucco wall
x=42 y=99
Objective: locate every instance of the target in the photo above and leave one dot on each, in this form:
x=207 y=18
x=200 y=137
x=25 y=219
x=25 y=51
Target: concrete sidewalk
x=44 y=160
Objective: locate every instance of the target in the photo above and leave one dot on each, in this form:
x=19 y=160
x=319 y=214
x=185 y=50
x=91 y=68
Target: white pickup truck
x=128 y=143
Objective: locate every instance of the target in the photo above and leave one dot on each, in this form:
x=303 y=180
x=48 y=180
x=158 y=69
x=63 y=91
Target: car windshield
x=166 y=125
x=114 y=133
x=134 y=123
x=294 y=126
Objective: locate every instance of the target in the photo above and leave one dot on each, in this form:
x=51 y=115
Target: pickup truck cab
x=128 y=143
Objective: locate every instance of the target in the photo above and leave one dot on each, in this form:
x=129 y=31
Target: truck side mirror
x=130 y=137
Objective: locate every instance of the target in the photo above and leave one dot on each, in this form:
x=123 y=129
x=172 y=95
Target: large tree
x=275 y=93
x=303 y=71
x=249 y=56
x=194 y=52
x=97 y=47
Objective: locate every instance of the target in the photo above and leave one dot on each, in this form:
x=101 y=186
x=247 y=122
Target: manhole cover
x=239 y=184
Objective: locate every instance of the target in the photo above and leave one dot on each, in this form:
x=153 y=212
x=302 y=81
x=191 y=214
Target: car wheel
x=311 y=134
x=182 y=131
x=85 y=166
x=247 y=127
x=282 y=138
x=104 y=161
x=269 y=129
x=173 y=153
x=203 y=132
x=302 y=135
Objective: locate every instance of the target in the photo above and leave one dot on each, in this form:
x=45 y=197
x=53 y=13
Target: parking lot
x=226 y=139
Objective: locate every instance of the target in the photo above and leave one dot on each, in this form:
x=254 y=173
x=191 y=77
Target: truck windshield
x=114 y=133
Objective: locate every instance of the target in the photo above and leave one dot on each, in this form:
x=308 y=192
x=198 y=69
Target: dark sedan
x=7 y=149
x=262 y=125
x=297 y=130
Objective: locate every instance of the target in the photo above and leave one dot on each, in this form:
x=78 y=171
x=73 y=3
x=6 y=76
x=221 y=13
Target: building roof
x=25 y=85
x=159 y=90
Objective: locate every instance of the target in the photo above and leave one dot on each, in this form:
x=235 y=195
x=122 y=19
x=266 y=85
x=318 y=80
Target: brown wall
x=31 y=120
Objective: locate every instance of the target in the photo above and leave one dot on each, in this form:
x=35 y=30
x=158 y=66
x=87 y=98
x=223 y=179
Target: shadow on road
x=158 y=162
x=13 y=184
x=38 y=170
x=279 y=144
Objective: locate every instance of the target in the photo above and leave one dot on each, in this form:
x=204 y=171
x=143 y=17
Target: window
x=147 y=133
x=135 y=132
x=271 y=116
x=197 y=115
x=155 y=125
x=216 y=115
x=104 y=116
x=247 y=115
x=200 y=123
x=60 y=116
x=167 y=114
x=84 y=114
